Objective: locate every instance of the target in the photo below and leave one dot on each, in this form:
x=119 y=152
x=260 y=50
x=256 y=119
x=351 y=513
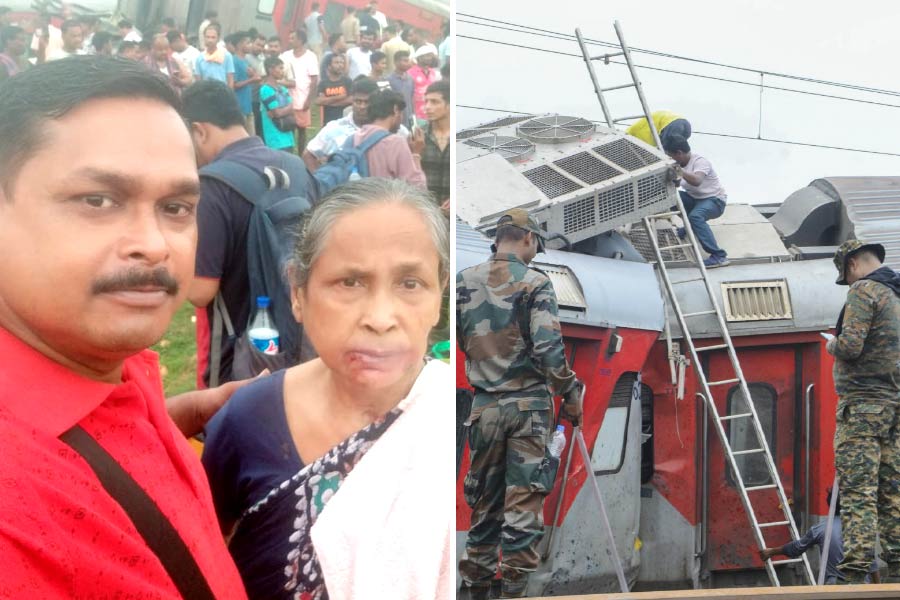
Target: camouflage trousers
x=867 y=461
x=507 y=445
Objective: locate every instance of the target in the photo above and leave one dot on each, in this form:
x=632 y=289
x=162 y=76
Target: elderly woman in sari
x=330 y=477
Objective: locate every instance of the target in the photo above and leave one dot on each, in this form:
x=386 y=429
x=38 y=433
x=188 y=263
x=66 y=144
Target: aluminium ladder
x=692 y=249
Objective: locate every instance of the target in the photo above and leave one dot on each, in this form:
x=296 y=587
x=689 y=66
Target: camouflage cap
x=520 y=218
x=848 y=249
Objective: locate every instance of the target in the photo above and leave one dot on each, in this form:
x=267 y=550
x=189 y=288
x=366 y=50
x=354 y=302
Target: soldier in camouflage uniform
x=507 y=326
x=867 y=380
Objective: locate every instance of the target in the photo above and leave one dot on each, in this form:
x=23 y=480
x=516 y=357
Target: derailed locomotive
x=675 y=510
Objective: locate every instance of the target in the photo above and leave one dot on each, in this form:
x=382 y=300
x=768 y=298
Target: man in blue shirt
x=402 y=83
x=244 y=78
x=816 y=536
x=215 y=63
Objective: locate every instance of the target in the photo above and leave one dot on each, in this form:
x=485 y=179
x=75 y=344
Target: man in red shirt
x=98 y=189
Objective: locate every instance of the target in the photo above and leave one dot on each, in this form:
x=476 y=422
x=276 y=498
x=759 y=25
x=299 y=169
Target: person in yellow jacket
x=667 y=124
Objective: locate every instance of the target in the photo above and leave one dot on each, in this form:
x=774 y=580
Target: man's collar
x=244 y=142
x=44 y=393
x=507 y=256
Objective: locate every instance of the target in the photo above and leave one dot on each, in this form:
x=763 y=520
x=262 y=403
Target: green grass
x=178 y=353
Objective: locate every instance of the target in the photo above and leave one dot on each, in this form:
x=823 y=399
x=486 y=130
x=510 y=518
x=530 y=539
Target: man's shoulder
x=868 y=288
x=876 y=291
x=517 y=271
x=253 y=156
x=699 y=159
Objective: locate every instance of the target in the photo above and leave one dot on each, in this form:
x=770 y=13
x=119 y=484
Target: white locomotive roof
x=616 y=293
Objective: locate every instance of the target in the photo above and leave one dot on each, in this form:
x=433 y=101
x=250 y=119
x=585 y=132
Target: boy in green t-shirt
x=275 y=101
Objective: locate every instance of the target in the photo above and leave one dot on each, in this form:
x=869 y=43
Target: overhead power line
x=526 y=29
x=716 y=134
x=698 y=75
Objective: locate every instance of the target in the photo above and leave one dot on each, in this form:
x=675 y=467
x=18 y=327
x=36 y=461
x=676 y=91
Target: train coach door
x=773 y=376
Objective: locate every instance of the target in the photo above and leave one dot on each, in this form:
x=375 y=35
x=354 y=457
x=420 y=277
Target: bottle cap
x=262 y=302
x=560 y=427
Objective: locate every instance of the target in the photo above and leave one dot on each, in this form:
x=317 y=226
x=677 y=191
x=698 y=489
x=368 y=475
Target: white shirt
x=301 y=69
x=133 y=36
x=313 y=32
x=202 y=30
x=709 y=184
x=331 y=138
x=187 y=57
x=61 y=53
x=382 y=20
x=358 y=61
x=54 y=43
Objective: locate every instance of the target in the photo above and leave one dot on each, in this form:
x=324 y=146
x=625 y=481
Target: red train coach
x=674 y=507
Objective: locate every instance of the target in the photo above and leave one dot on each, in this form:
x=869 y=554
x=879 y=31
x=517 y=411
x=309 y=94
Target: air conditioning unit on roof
x=576 y=178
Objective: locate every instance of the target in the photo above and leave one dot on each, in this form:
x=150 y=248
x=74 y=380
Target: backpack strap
x=246 y=181
x=373 y=139
x=251 y=184
x=158 y=532
x=220 y=318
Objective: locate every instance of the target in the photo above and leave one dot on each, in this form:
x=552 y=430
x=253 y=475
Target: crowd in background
x=315 y=80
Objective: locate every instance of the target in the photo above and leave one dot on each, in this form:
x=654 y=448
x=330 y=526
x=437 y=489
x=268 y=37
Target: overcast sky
x=851 y=42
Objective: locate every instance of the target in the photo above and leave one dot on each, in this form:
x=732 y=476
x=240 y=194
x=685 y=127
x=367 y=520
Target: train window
x=266 y=7
x=742 y=437
x=646 y=433
x=609 y=451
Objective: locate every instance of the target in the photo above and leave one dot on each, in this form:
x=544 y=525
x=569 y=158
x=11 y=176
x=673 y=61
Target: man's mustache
x=134 y=279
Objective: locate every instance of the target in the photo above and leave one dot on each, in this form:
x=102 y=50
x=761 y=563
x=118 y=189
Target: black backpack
x=281 y=196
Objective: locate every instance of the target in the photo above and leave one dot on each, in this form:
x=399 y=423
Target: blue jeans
x=699 y=212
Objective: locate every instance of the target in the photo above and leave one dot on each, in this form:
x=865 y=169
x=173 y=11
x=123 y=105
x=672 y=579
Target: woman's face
x=373 y=296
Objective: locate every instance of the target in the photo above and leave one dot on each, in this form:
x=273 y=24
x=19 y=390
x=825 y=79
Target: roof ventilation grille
x=556 y=129
x=627 y=154
x=587 y=168
x=488 y=127
x=550 y=181
x=511 y=148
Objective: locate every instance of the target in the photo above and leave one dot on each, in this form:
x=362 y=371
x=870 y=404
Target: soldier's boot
x=474 y=593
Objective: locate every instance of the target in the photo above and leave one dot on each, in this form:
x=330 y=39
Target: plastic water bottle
x=354 y=175
x=262 y=332
x=558 y=441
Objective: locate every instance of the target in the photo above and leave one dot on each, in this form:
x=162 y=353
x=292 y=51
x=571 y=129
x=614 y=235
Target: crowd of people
x=202 y=159
x=277 y=88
